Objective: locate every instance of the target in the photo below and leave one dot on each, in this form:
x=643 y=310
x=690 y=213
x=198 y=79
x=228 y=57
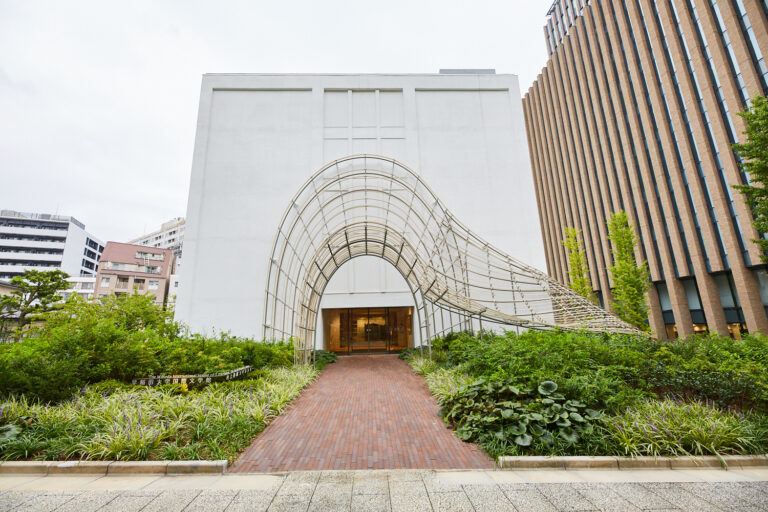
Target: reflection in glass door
x=367 y=330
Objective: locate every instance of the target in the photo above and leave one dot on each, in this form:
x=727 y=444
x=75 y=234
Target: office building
x=42 y=242
x=636 y=110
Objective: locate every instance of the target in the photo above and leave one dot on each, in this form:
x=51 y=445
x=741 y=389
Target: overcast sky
x=98 y=99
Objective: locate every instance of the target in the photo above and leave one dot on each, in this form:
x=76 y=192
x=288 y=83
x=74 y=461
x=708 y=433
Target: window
x=139 y=284
x=140 y=255
x=132 y=267
x=154 y=285
x=86 y=286
x=122 y=282
x=104 y=281
x=176 y=284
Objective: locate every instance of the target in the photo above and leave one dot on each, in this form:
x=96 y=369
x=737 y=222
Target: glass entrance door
x=367 y=330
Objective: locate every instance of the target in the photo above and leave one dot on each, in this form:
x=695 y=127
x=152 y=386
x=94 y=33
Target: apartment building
x=42 y=242
x=169 y=236
x=128 y=268
x=636 y=110
x=82 y=286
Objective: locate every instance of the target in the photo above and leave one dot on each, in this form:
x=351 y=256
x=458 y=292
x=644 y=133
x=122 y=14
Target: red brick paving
x=363 y=412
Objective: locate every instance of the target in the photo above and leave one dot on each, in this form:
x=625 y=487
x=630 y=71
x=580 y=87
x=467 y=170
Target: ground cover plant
x=65 y=389
x=598 y=394
x=113 y=421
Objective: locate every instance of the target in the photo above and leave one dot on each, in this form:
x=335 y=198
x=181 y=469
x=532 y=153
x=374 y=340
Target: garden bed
x=558 y=393
x=64 y=392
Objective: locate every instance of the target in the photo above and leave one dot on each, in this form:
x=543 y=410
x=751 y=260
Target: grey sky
x=98 y=99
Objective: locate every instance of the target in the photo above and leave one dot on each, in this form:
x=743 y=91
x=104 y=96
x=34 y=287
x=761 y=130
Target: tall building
x=272 y=150
x=169 y=236
x=46 y=242
x=126 y=269
x=636 y=111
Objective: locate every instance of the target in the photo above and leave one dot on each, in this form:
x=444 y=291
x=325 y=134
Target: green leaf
x=507 y=413
x=569 y=436
x=547 y=387
x=523 y=440
x=576 y=417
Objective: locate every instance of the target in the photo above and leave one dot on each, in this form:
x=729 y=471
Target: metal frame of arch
x=373 y=205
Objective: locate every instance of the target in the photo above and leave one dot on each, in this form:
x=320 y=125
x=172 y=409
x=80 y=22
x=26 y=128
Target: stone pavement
x=363 y=412
x=395 y=491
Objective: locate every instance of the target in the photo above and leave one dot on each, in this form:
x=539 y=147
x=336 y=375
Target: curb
x=644 y=462
x=87 y=467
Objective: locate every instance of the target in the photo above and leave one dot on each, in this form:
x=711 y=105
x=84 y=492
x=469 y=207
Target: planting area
x=557 y=393
x=64 y=391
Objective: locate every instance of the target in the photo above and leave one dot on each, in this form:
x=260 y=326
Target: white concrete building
x=169 y=236
x=82 y=286
x=42 y=241
x=260 y=137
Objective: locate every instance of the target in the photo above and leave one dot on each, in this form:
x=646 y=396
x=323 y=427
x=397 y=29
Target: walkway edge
x=579 y=462
x=88 y=467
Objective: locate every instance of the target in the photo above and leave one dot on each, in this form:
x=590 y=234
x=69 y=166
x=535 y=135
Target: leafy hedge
x=644 y=396
x=613 y=371
x=119 y=338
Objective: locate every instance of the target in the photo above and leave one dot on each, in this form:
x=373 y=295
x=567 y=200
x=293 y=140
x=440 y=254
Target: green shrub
x=324 y=357
x=120 y=338
x=447 y=383
x=407 y=353
x=497 y=414
x=668 y=427
x=612 y=371
x=423 y=365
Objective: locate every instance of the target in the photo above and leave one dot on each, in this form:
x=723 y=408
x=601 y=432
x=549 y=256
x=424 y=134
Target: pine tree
x=630 y=279
x=578 y=271
x=753 y=153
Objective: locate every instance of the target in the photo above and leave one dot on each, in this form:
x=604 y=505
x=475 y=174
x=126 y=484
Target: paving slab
x=171 y=500
x=251 y=500
x=395 y=491
x=530 y=500
x=9 y=482
x=88 y=502
x=210 y=500
x=370 y=502
x=57 y=483
x=119 y=483
x=126 y=503
x=678 y=495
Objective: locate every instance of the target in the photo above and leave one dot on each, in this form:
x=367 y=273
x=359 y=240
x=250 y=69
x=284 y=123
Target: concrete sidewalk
x=396 y=490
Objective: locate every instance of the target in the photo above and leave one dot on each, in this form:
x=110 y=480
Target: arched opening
x=368 y=205
x=367 y=308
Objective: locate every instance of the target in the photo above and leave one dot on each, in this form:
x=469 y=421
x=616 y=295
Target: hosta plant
x=489 y=411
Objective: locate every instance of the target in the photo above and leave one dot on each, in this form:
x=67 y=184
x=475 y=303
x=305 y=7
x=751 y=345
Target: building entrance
x=367 y=330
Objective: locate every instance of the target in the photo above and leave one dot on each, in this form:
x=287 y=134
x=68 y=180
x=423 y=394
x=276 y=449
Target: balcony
x=10 y=230
x=35 y=244
x=29 y=256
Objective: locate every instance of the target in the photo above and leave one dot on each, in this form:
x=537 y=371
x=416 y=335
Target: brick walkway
x=363 y=412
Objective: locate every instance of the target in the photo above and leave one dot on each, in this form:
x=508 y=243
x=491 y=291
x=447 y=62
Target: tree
x=578 y=270
x=36 y=293
x=630 y=279
x=753 y=155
